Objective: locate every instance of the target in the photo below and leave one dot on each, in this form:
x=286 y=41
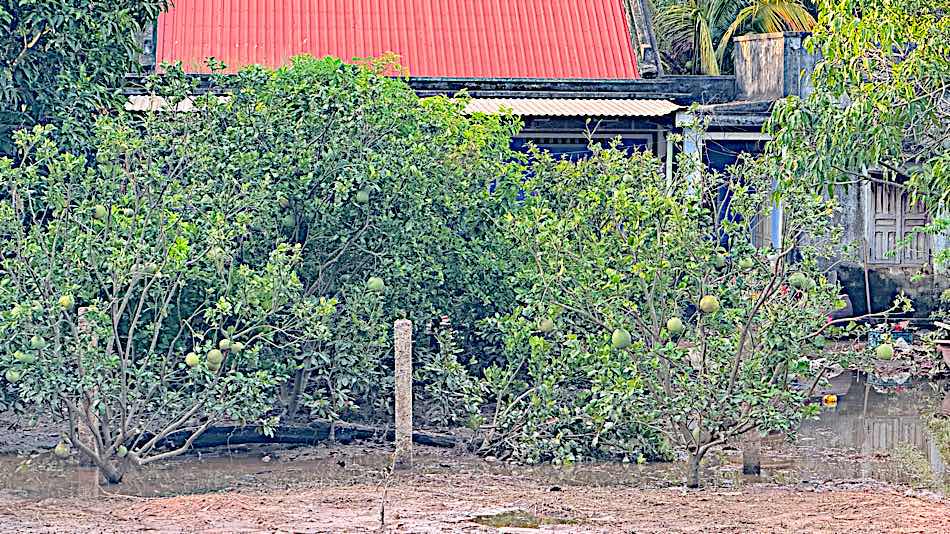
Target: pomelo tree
x=389 y=198
x=679 y=325
x=63 y=62
x=129 y=307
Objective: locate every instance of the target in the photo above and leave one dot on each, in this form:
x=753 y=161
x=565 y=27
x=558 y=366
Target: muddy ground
x=868 y=464
x=348 y=489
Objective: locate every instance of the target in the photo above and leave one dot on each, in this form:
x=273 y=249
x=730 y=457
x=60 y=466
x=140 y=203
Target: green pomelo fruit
x=620 y=339
x=66 y=302
x=798 y=280
x=709 y=304
x=884 y=351
x=215 y=357
x=675 y=326
x=37 y=343
x=376 y=284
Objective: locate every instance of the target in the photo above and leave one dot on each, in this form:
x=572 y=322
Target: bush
x=372 y=183
x=619 y=258
x=114 y=272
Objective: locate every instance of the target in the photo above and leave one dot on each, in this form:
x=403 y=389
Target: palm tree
x=692 y=28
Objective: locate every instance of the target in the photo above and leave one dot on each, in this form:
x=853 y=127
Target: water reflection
x=870 y=431
x=866 y=435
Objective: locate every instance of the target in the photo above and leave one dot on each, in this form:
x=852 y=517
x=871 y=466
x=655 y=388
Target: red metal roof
x=439 y=38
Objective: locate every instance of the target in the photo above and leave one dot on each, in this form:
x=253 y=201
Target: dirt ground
x=443 y=496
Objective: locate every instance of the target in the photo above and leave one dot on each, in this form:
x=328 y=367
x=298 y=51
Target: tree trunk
x=294 y=397
x=110 y=472
x=692 y=470
x=751 y=455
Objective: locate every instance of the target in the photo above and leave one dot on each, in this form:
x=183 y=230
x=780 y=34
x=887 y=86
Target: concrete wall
x=923 y=284
x=770 y=66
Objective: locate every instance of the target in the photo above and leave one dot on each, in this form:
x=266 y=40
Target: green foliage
x=614 y=245
x=454 y=394
x=387 y=195
x=938 y=424
x=880 y=102
x=114 y=271
x=63 y=61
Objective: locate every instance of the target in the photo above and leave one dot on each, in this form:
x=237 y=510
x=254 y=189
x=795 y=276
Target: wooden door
x=895 y=219
x=914 y=217
x=885 y=222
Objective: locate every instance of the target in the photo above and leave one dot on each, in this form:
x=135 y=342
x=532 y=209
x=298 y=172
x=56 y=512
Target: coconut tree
x=767 y=16
x=701 y=29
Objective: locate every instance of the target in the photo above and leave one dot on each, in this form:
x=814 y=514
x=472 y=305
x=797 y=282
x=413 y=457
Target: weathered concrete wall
x=851 y=221
x=923 y=284
x=772 y=65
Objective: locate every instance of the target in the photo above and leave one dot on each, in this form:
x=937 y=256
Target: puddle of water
x=509 y=518
x=42 y=476
x=875 y=431
x=516 y=518
x=868 y=435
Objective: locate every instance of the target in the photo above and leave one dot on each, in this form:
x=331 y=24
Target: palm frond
x=767 y=16
x=779 y=16
x=674 y=26
x=705 y=53
x=687 y=28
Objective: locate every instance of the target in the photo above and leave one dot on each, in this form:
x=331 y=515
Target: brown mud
x=442 y=496
x=867 y=464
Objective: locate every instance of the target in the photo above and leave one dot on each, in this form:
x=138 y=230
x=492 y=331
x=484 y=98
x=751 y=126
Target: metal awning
x=524 y=107
x=574 y=107
x=160 y=103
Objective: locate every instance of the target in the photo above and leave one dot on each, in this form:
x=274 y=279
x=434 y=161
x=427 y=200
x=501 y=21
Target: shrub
x=115 y=271
x=618 y=250
x=388 y=196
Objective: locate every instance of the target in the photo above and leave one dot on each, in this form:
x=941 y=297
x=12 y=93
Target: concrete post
x=403 y=345
x=83 y=433
x=751 y=456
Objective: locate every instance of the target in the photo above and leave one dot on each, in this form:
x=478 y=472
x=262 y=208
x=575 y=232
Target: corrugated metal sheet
x=524 y=107
x=440 y=38
x=159 y=103
x=573 y=107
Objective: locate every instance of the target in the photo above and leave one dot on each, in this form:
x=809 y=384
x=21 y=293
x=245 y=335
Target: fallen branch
x=300 y=435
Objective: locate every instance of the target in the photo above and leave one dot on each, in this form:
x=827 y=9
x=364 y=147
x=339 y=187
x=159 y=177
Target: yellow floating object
x=829 y=400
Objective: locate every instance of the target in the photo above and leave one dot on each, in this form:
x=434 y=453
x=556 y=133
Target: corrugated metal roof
x=525 y=107
x=573 y=107
x=160 y=103
x=439 y=38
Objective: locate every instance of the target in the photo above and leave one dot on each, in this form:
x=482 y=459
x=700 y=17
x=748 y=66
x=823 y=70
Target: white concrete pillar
x=403 y=345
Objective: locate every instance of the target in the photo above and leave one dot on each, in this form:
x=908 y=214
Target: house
x=569 y=69
x=554 y=63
